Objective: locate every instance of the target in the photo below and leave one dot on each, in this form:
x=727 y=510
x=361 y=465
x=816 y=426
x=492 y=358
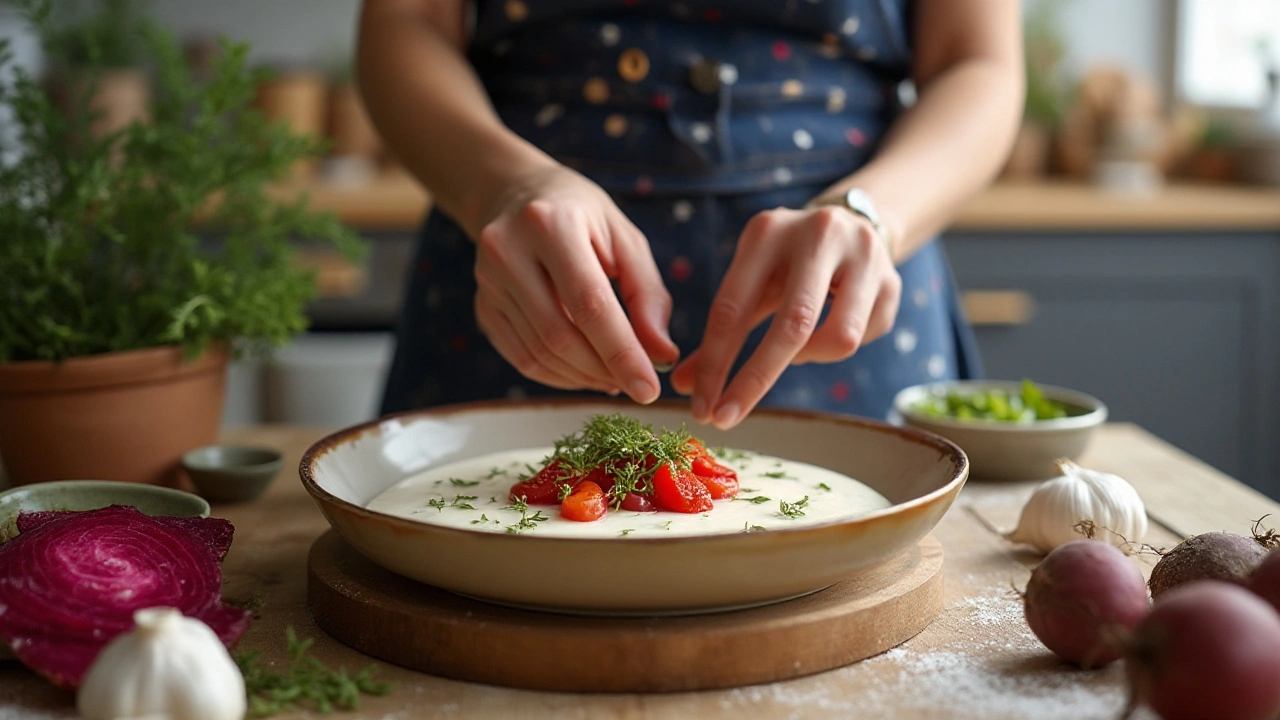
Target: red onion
x=70 y=582
x=1208 y=649
x=1081 y=600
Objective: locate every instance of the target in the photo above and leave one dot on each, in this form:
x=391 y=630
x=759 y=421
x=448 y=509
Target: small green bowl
x=94 y=494
x=232 y=473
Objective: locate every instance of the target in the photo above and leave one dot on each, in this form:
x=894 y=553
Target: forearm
x=942 y=151
x=430 y=107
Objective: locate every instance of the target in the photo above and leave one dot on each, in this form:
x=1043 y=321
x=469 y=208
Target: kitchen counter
x=396 y=202
x=977 y=660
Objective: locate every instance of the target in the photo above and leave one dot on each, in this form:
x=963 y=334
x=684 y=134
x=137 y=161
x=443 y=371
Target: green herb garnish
x=626 y=532
x=482 y=519
x=667 y=526
x=622 y=445
x=753 y=500
x=464 y=483
x=463 y=502
x=494 y=472
x=795 y=509
x=437 y=503
x=748 y=527
x=563 y=491
x=306 y=680
x=777 y=475
x=824 y=486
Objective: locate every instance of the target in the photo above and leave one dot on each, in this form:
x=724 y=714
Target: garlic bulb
x=1050 y=517
x=169 y=667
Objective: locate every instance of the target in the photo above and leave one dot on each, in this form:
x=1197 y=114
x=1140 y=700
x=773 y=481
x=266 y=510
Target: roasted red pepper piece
x=544 y=487
x=680 y=491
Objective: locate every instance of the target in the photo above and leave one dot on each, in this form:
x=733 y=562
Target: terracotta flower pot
x=117 y=416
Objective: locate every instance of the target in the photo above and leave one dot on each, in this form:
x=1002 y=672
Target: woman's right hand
x=549 y=247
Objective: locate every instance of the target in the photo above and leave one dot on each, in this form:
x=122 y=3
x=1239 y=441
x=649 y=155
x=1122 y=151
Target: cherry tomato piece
x=637 y=503
x=544 y=487
x=721 y=487
x=680 y=491
x=587 y=502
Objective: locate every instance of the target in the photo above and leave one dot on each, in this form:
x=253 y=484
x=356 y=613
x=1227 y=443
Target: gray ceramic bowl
x=94 y=494
x=1007 y=450
x=232 y=473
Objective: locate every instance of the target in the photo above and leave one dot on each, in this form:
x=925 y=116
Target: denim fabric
x=694 y=116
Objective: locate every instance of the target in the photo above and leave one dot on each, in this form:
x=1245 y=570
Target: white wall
x=1133 y=34
x=280 y=31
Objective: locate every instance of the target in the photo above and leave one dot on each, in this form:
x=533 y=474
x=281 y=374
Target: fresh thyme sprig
x=526 y=521
x=306 y=680
x=795 y=509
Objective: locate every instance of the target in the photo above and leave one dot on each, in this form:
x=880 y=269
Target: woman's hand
x=545 y=260
x=788 y=263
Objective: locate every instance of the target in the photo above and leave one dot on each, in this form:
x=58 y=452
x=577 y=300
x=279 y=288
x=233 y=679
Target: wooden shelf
x=397 y=202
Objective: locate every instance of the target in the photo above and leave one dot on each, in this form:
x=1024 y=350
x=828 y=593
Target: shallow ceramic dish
x=919 y=473
x=232 y=473
x=94 y=494
x=1007 y=450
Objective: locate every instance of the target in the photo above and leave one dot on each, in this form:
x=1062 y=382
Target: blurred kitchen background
x=1131 y=250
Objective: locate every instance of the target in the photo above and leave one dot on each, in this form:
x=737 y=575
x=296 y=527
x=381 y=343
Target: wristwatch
x=859 y=203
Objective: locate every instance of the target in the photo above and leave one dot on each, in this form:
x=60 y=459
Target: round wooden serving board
x=424 y=628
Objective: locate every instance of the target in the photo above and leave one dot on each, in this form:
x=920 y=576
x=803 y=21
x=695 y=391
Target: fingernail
x=663 y=367
x=613 y=392
x=727 y=415
x=699 y=407
x=642 y=392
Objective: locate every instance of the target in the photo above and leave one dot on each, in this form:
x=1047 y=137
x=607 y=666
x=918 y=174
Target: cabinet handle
x=998 y=307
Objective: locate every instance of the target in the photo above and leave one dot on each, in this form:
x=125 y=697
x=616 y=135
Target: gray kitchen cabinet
x=1178 y=332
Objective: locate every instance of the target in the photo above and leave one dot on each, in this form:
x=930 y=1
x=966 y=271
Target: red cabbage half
x=70 y=582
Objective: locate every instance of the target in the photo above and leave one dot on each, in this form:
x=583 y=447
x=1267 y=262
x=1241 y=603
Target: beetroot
x=1265 y=580
x=70 y=582
x=1082 y=598
x=1212 y=556
x=1209 y=649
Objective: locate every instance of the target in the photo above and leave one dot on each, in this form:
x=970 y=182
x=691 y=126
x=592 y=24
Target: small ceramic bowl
x=232 y=473
x=1000 y=450
x=94 y=494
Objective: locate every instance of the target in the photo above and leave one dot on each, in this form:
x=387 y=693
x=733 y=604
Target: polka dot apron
x=694 y=116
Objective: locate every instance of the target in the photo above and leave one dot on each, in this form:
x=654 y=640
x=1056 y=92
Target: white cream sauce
x=473 y=494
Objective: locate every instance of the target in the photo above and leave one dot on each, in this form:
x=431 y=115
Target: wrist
x=860 y=203
x=500 y=175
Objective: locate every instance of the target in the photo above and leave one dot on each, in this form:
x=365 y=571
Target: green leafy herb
x=795 y=509
x=437 y=503
x=622 y=444
x=494 y=472
x=729 y=454
x=994 y=404
x=626 y=532
x=667 y=526
x=492 y=499
x=563 y=491
x=777 y=475
x=483 y=519
x=464 y=483
x=463 y=502
x=305 y=681
x=753 y=500
x=748 y=490
x=105 y=236
x=824 y=486
x=748 y=527
x=527 y=522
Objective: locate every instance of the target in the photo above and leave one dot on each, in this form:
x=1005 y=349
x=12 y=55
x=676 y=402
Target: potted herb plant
x=135 y=262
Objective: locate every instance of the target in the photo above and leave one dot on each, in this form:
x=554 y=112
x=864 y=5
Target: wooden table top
x=395 y=201
x=977 y=660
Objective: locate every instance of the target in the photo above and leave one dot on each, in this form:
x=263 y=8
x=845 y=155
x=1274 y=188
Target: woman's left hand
x=788 y=263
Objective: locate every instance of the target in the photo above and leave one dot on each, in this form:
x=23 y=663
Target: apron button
x=633 y=65
x=704 y=76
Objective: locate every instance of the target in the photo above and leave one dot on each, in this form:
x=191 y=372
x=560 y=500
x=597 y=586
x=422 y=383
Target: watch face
x=858 y=201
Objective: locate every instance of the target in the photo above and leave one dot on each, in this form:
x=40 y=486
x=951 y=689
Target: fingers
x=507 y=341
x=793 y=325
x=584 y=291
x=732 y=311
x=647 y=300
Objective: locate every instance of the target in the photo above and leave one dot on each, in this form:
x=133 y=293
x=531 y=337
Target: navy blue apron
x=694 y=116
